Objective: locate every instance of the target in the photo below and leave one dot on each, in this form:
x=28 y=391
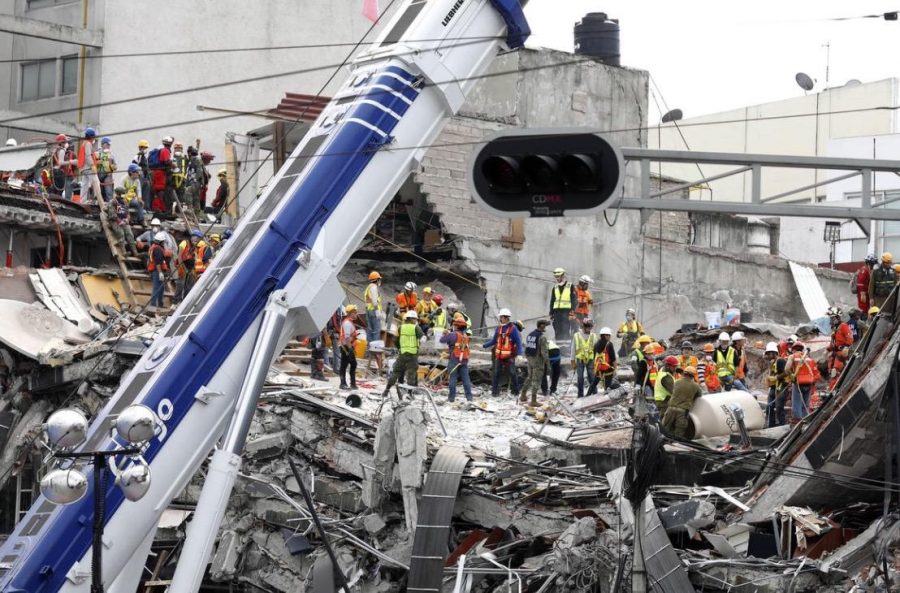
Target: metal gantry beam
x=760 y=205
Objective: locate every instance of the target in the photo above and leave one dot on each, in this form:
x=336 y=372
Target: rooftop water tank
x=598 y=36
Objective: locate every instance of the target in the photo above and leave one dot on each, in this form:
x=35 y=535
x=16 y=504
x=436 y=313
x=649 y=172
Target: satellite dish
x=673 y=115
x=804 y=81
x=64 y=486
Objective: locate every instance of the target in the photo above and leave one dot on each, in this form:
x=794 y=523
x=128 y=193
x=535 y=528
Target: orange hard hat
x=709 y=348
x=374 y=276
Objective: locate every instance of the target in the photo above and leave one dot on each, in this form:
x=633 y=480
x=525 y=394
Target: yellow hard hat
x=645 y=339
x=874 y=310
x=143 y=144
x=689 y=370
x=886 y=257
x=427 y=289
x=350 y=309
x=650 y=349
x=215 y=237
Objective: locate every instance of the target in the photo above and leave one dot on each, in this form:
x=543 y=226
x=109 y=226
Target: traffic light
x=519 y=173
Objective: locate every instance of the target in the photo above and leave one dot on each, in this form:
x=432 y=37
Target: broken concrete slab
x=32 y=329
x=270 y=445
x=688 y=516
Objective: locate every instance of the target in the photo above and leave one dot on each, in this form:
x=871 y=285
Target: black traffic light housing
x=551 y=172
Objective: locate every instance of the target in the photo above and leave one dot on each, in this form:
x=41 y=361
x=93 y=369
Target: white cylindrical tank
x=712 y=417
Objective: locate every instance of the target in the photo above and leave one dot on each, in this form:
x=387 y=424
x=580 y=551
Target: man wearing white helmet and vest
x=407 y=299
x=604 y=362
x=726 y=361
x=584 y=301
x=778 y=382
x=506 y=344
x=562 y=305
x=407 y=364
x=740 y=360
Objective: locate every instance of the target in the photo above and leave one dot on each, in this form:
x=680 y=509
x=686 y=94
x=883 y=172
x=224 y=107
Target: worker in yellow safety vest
x=374 y=310
x=562 y=303
x=408 y=361
x=665 y=384
x=630 y=330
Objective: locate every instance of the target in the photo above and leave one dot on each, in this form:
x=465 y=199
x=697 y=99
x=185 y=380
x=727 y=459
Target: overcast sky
x=708 y=56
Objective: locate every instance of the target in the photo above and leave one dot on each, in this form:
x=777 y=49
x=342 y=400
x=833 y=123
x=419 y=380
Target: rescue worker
x=707 y=374
x=133 y=196
x=193 y=181
x=425 y=307
x=562 y=303
x=778 y=383
x=179 y=172
x=119 y=224
x=374 y=308
x=185 y=275
x=157 y=266
x=684 y=393
x=839 y=348
x=106 y=166
x=170 y=245
x=407 y=299
x=639 y=362
x=204 y=253
x=87 y=167
x=453 y=309
x=506 y=345
x=740 y=360
x=648 y=376
x=407 y=363
x=583 y=354
x=873 y=313
x=803 y=373
x=882 y=280
x=63 y=165
x=140 y=159
x=317 y=357
x=537 y=352
x=223 y=194
x=785 y=346
x=629 y=331
x=458 y=364
x=584 y=300
x=439 y=318
x=857 y=325
x=665 y=385
x=726 y=361
x=604 y=362
x=687 y=358
x=160 y=162
x=861 y=282
x=347 y=338
x=555 y=368
x=206 y=158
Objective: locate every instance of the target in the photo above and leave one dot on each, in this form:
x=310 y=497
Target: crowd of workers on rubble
x=669 y=377
x=157 y=184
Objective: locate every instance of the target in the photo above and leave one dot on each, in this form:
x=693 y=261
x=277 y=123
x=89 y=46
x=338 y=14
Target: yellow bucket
x=361 y=346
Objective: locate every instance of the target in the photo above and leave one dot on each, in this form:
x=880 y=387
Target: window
x=38 y=80
x=32 y=4
x=69 y=83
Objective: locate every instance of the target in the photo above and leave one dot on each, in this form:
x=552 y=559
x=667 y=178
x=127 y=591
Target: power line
x=188 y=52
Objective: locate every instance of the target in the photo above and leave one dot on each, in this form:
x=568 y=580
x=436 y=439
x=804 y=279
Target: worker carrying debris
x=685 y=391
x=407 y=363
x=562 y=303
x=629 y=331
x=347 y=337
x=506 y=344
x=882 y=280
x=537 y=351
x=839 y=348
x=458 y=364
x=778 y=383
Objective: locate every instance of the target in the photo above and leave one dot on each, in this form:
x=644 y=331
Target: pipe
x=9 y=249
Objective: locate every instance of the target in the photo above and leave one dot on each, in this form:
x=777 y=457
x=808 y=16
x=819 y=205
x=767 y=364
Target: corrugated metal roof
x=811 y=294
x=296 y=106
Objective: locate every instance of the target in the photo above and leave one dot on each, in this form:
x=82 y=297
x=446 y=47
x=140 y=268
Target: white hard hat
x=724 y=337
x=632 y=311
x=12 y=142
x=504 y=313
x=410 y=315
x=772 y=347
x=155 y=222
x=737 y=336
x=410 y=286
x=168 y=140
x=452 y=305
x=605 y=331
x=793 y=338
x=558 y=272
x=586 y=279
x=160 y=236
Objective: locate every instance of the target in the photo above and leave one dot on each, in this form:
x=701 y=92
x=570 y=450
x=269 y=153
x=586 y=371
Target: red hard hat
x=61 y=138
x=439 y=299
x=671 y=361
x=798 y=346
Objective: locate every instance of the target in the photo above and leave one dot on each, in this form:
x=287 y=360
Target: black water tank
x=598 y=36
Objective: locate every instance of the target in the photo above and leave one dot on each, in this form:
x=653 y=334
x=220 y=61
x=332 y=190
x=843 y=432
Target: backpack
x=853 y=280
x=153 y=159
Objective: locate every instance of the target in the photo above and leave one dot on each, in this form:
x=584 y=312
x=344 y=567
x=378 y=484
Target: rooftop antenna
x=672 y=116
